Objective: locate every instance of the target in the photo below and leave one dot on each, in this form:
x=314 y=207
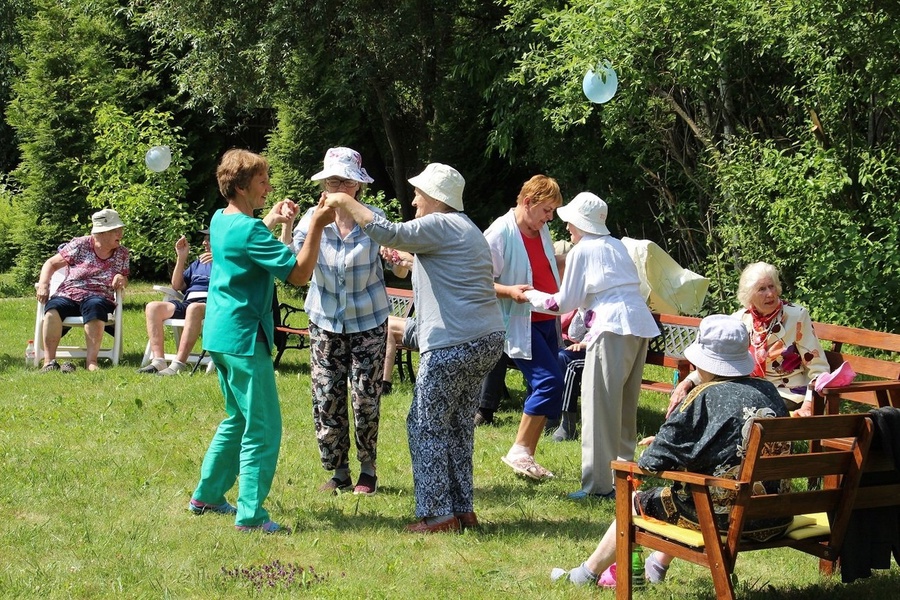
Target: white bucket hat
x=105 y=220
x=722 y=347
x=443 y=183
x=587 y=212
x=345 y=163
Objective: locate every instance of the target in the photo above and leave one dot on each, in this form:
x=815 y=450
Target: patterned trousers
x=335 y=357
x=441 y=424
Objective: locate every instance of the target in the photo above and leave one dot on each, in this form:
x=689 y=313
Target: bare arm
x=359 y=212
x=51 y=266
x=181 y=253
x=515 y=292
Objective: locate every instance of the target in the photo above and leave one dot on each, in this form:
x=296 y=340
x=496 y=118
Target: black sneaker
x=336 y=486
x=483 y=418
x=50 y=366
x=148 y=370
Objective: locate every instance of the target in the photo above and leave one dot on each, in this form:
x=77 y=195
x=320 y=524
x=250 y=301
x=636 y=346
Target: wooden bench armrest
x=682 y=476
x=861 y=386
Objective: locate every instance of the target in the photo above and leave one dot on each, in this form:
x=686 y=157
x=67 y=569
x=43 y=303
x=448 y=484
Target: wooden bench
x=856 y=346
x=292 y=332
x=820 y=516
x=879 y=488
x=667 y=349
x=881 y=376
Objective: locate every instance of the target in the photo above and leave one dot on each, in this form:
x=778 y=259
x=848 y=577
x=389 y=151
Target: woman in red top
x=523 y=257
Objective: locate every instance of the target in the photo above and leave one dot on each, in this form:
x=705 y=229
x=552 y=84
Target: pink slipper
x=607 y=579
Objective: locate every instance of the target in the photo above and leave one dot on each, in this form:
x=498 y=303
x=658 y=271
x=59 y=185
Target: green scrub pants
x=248 y=441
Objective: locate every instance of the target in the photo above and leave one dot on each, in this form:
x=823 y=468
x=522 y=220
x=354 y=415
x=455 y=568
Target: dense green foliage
x=77 y=59
x=741 y=130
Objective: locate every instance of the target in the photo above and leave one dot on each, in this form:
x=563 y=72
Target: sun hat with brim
x=443 y=183
x=105 y=220
x=587 y=212
x=843 y=375
x=721 y=347
x=345 y=163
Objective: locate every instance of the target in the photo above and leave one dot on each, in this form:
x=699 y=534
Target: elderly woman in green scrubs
x=238 y=332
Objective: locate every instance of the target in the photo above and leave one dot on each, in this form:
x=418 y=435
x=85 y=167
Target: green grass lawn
x=97 y=470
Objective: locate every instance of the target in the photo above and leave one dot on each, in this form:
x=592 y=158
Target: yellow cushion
x=802 y=527
x=810 y=525
x=689 y=537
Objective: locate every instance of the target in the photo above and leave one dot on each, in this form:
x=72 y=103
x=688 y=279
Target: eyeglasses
x=335 y=184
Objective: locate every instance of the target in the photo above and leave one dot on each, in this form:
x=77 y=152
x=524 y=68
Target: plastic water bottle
x=637 y=569
x=29 y=354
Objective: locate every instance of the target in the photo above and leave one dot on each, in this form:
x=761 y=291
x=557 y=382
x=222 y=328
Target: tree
x=84 y=110
x=741 y=116
x=384 y=78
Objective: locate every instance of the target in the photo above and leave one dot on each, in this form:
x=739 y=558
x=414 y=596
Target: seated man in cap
x=98 y=265
x=193 y=282
x=704 y=435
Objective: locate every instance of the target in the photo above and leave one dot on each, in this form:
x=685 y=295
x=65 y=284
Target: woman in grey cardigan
x=460 y=337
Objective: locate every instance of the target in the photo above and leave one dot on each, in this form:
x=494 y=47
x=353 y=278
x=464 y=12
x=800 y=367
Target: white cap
x=587 y=212
x=443 y=183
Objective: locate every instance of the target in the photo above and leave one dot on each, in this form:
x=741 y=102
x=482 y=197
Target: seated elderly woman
x=705 y=435
x=98 y=265
x=785 y=348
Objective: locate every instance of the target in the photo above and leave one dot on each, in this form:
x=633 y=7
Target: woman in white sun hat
x=98 y=265
x=348 y=310
x=601 y=278
x=460 y=337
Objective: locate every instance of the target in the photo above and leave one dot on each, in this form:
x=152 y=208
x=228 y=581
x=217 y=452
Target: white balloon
x=600 y=86
x=158 y=158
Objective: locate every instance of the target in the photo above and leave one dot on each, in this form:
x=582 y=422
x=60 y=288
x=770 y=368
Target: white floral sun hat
x=345 y=163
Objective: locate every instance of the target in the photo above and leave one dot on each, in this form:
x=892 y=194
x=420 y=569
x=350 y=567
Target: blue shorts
x=90 y=309
x=182 y=305
x=543 y=377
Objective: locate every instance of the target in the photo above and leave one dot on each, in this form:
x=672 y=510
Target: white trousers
x=610 y=387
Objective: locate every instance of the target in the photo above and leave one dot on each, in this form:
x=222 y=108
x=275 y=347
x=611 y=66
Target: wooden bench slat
x=817 y=464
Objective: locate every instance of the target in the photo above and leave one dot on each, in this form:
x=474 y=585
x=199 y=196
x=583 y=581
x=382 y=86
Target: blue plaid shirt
x=346 y=292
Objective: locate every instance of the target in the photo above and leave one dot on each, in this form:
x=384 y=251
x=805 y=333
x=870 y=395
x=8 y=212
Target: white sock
x=177 y=366
x=654 y=571
x=159 y=363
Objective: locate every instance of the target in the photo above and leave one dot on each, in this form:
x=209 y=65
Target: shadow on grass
x=8 y=361
x=293 y=368
x=883 y=584
x=350 y=517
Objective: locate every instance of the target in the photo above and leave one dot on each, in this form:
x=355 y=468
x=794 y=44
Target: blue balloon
x=600 y=86
x=158 y=158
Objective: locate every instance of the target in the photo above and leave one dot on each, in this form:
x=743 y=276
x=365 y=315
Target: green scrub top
x=247 y=259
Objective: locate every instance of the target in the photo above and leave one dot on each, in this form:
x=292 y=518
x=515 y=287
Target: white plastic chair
x=114 y=319
x=177 y=326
